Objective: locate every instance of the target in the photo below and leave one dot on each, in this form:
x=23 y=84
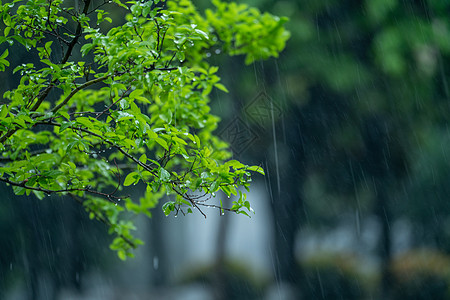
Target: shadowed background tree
x=361 y=86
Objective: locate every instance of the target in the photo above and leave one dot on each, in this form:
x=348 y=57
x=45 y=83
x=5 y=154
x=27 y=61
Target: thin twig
x=48 y=192
x=112 y=104
x=77 y=35
x=103 y=220
x=77 y=89
x=74 y=128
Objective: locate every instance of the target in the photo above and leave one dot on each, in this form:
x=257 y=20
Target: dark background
x=350 y=124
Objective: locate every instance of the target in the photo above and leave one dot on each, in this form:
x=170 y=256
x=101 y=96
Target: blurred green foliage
x=330 y=276
x=230 y=280
x=421 y=274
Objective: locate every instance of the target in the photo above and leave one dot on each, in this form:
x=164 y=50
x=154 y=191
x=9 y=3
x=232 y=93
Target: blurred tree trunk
x=286 y=210
x=158 y=247
x=383 y=214
x=29 y=237
x=379 y=165
x=286 y=182
x=220 y=286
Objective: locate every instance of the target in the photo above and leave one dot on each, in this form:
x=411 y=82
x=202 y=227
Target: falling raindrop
x=358 y=222
x=319 y=277
x=155 y=262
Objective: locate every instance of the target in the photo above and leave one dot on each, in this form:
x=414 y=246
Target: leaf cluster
x=103 y=110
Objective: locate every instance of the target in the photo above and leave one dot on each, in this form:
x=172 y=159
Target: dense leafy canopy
x=98 y=109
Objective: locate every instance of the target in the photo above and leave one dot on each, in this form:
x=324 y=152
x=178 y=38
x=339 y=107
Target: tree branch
x=103 y=220
x=48 y=192
x=134 y=159
x=47 y=90
x=79 y=88
x=77 y=34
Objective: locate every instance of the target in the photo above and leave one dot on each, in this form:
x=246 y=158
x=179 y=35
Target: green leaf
x=132 y=178
x=244 y=213
x=48 y=47
x=258 y=169
x=235 y=164
x=168 y=207
x=86 y=48
x=65 y=125
x=64 y=114
x=178 y=140
x=180 y=55
x=143 y=158
x=214 y=186
x=152 y=135
x=84 y=121
x=164 y=175
x=3 y=111
x=4 y=54
x=196 y=184
x=40 y=195
x=202 y=33
x=163 y=143
x=155 y=186
x=122 y=255
x=226 y=190
x=221 y=87
x=136 y=93
x=197 y=141
x=166 y=117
